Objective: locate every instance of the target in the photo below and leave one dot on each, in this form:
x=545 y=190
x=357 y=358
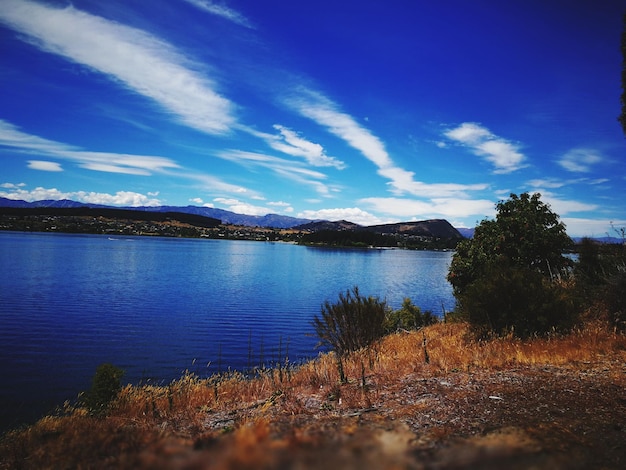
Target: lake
x=156 y=307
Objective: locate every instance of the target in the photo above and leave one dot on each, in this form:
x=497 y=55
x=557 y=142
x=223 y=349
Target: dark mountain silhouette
x=437 y=228
x=113 y=213
x=226 y=217
x=320 y=225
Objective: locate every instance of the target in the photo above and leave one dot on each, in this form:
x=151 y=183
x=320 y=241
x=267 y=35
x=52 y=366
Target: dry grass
x=242 y=422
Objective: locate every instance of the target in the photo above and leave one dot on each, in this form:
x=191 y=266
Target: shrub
x=601 y=278
x=615 y=298
x=510 y=299
x=408 y=317
x=352 y=323
x=105 y=386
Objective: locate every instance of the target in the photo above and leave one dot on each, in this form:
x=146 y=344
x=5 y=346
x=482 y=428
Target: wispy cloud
x=222 y=11
x=291 y=143
x=546 y=183
x=240 y=207
x=352 y=214
x=133 y=58
x=503 y=154
x=412 y=209
x=284 y=168
x=580 y=160
x=565 y=206
x=44 y=165
x=120 y=198
x=320 y=109
x=324 y=112
x=11 y=136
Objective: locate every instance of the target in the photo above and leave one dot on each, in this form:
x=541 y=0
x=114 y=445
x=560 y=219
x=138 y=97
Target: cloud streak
x=580 y=160
x=133 y=58
x=293 y=144
x=324 y=112
x=286 y=169
x=501 y=153
x=44 y=166
x=221 y=11
x=12 y=137
x=404 y=208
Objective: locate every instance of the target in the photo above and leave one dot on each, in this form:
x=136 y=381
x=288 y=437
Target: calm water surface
x=157 y=306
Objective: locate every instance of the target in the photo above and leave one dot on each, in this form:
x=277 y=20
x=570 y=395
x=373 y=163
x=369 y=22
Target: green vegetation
x=356 y=322
x=105 y=386
x=408 y=317
x=509 y=277
x=365 y=239
x=600 y=278
x=352 y=323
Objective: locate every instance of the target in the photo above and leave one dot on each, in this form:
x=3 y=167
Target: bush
x=510 y=299
x=601 y=278
x=352 y=323
x=615 y=298
x=105 y=386
x=408 y=317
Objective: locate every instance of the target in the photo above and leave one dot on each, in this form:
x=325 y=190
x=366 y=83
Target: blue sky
x=368 y=111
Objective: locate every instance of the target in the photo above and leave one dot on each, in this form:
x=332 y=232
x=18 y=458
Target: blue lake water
x=159 y=306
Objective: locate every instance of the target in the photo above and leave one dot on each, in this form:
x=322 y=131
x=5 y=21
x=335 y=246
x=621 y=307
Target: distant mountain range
x=227 y=217
x=437 y=228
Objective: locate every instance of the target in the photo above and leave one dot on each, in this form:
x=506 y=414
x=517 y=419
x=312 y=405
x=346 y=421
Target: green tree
x=105 y=386
x=526 y=233
x=503 y=277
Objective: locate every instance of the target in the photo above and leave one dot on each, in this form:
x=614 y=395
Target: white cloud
x=240 y=207
x=546 y=183
x=412 y=209
x=44 y=166
x=11 y=136
x=284 y=168
x=469 y=133
x=222 y=11
x=279 y=204
x=131 y=57
x=403 y=183
x=215 y=185
x=196 y=200
x=503 y=154
x=291 y=143
x=563 y=206
x=120 y=198
x=582 y=227
x=12 y=185
x=326 y=113
x=580 y=160
x=351 y=214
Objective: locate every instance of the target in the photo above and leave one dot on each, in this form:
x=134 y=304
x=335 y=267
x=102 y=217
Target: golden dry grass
x=244 y=421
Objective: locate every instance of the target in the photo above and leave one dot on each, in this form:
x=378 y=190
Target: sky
x=369 y=111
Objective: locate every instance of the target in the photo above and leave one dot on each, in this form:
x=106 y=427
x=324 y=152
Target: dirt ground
x=555 y=403
x=541 y=418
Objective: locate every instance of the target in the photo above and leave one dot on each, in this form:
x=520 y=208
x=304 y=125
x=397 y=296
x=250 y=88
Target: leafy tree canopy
x=525 y=233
